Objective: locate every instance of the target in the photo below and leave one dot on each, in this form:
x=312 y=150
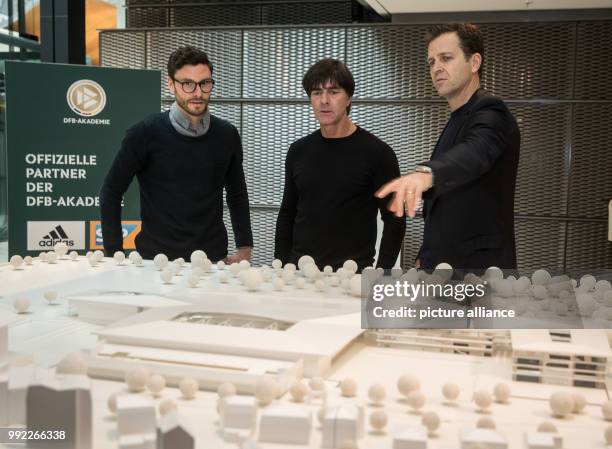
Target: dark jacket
x=469 y=212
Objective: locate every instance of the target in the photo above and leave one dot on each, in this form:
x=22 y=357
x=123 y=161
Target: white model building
x=4 y=410
x=19 y=379
x=61 y=403
x=286 y=424
x=136 y=425
x=454 y=341
x=135 y=415
x=108 y=306
x=479 y=438
x=577 y=357
x=213 y=344
x=540 y=440
x=341 y=423
x=6 y=318
x=237 y=416
x=174 y=433
x=139 y=441
x=411 y=438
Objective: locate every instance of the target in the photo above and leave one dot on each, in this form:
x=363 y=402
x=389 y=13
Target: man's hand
x=407 y=192
x=240 y=254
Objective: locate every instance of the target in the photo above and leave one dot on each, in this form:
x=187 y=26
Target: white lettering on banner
x=86 y=121
x=61 y=159
x=41 y=187
x=34 y=172
x=62 y=201
x=77 y=201
x=46 y=201
x=56 y=173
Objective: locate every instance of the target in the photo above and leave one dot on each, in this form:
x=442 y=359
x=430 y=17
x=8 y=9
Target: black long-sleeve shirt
x=329 y=210
x=181 y=182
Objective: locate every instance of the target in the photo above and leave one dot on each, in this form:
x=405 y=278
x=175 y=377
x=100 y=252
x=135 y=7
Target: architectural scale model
x=168 y=354
x=212 y=344
x=173 y=432
x=578 y=359
x=61 y=402
x=6 y=318
x=455 y=341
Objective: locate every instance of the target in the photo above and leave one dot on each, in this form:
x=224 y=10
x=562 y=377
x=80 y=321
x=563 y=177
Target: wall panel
x=546 y=71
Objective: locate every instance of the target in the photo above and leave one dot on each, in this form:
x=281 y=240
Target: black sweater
x=329 y=209
x=181 y=189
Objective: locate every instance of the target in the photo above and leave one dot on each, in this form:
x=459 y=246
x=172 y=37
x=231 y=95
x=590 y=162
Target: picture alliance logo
x=56 y=235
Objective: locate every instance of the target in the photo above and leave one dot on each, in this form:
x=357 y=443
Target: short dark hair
x=187 y=55
x=470 y=38
x=329 y=70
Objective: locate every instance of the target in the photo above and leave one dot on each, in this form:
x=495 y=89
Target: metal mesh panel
x=122 y=49
x=412 y=241
x=134 y=3
x=226 y=111
x=263 y=222
x=527 y=60
x=591 y=173
x=223 y=48
x=151 y=17
x=275 y=61
x=415 y=129
x=211 y=13
x=321 y=12
x=268 y=130
x=593 y=67
x=389 y=62
x=588 y=246
x=204 y=2
x=215 y=15
x=533 y=60
x=539 y=243
x=541 y=185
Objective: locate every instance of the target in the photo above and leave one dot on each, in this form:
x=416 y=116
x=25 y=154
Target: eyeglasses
x=190 y=86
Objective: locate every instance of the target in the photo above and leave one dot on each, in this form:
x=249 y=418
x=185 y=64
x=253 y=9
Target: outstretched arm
x=482 y=145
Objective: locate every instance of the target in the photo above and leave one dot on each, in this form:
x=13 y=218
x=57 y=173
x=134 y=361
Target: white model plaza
x=281 y=361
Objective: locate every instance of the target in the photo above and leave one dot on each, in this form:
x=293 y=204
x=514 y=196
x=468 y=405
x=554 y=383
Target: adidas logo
x=44 y=235
x=56 y=235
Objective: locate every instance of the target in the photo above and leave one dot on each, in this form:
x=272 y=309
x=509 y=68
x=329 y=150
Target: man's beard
x=184 y=105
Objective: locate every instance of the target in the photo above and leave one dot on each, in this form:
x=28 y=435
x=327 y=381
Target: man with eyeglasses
x=328 y=209
x=183 y=159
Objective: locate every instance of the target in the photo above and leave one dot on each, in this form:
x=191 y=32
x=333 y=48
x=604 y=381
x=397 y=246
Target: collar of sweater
x=184 y=126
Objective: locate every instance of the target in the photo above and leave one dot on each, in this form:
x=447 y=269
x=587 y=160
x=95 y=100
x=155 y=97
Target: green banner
x=64 y=125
